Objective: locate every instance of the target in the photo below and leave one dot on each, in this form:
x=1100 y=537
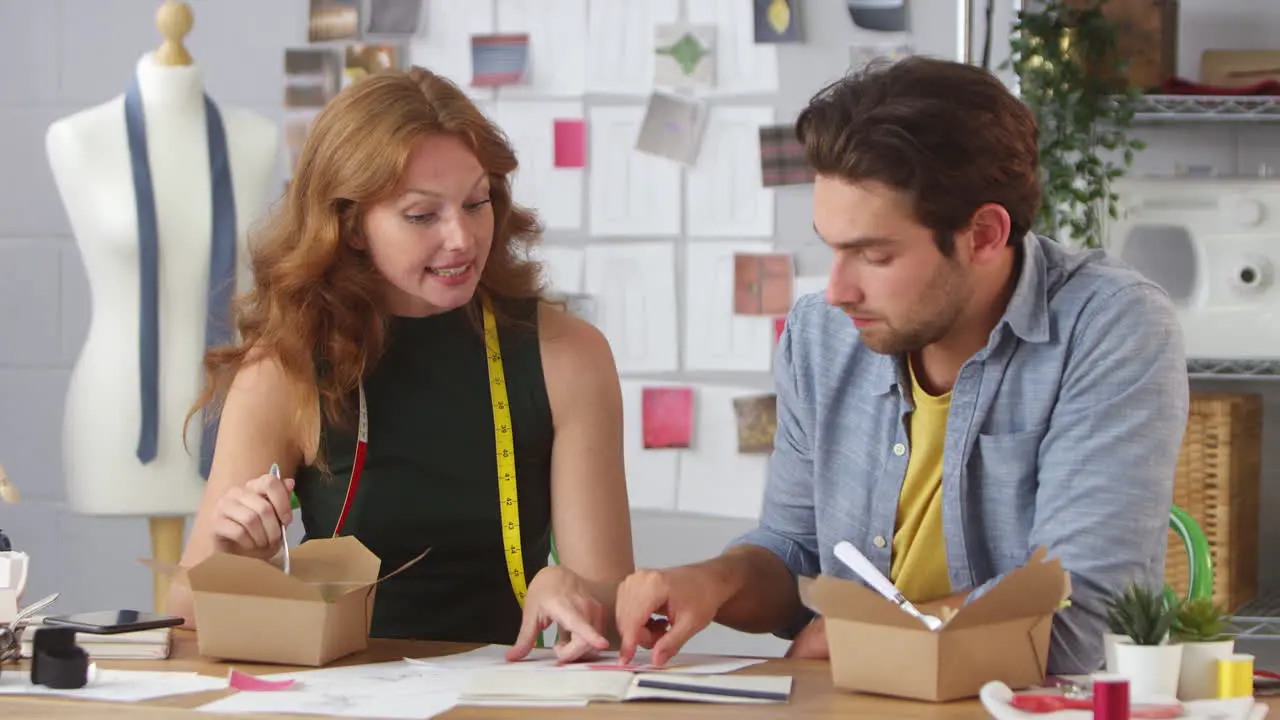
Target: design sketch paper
x=715 y=337
x=716 y=479
x=776 y=21
x=117 y=685
x=668 y=417
x=362 y=60
x=583 y=307
x=311 y=77
x=491 y=657
x=673 y=127
x=762 y=284
x=562 y=267
x=297 y=126
x=571 y=143
x=557 y=31
x=782 y=160
x=444 y=44
x=394 y=17
x=757 y=417
x=725 y=194
x=743 y=67
x=620 y=35
x=651 y=474
x=554 y=192
x=685 y=55
x=807 y=285
x=864 y=54
x=397 y=689
x=634 y=286
x=498 y=59
x=631 y=193
x=333 y=20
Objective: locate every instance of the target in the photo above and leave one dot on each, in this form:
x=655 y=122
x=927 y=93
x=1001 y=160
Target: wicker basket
x=1219 y=468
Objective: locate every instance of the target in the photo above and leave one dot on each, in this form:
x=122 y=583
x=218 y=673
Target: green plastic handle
x=1199 y=557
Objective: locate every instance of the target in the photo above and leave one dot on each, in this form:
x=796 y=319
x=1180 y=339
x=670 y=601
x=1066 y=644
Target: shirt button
x=879 y=541
x=899 y=449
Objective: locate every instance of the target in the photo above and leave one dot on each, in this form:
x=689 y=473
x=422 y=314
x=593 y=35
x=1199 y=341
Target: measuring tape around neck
x=508 y=502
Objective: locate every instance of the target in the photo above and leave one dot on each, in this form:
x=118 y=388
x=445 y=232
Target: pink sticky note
x=571 y=143
x=779 y=324
x=243 y=681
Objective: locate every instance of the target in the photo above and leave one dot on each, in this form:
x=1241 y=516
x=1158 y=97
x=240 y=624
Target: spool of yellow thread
x=1235 y=676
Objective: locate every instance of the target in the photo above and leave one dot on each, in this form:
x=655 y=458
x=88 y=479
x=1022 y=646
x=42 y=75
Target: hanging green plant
x=1069 y=74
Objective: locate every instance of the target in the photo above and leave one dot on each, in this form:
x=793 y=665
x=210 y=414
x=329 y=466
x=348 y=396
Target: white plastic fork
x=284 y=539
x=857 y=562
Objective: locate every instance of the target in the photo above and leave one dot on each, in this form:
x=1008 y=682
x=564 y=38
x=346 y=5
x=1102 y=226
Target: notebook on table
x=154 y=644
x=541 y=686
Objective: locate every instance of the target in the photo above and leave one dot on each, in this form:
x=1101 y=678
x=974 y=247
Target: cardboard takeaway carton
x=249 y=610
x=877 y=647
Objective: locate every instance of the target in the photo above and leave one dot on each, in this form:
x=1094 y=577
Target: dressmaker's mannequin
x=122 y=440
x=8 y=491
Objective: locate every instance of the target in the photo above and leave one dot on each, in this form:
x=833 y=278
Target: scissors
x=11 y=633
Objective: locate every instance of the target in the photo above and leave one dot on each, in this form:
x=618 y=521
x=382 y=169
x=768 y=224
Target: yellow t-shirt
x=919 y=566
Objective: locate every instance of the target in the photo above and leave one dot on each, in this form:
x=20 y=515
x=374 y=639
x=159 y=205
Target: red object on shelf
x=1182 y=86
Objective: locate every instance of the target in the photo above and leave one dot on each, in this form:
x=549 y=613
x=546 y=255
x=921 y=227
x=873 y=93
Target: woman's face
x=431 y=238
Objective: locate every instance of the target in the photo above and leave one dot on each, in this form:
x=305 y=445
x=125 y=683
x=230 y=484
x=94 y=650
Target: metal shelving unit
x=1207 y=108
x=1212 y=369
x=1258 y=619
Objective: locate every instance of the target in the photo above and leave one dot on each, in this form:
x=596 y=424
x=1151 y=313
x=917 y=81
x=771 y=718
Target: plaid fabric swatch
x=498 y=59
x=782 y=160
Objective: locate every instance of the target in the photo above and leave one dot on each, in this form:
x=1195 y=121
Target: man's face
x=888 y=274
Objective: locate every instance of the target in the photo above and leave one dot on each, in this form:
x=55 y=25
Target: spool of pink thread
x=1110 y=697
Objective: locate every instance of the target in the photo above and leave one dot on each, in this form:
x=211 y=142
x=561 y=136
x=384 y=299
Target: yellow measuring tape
x=508 y=500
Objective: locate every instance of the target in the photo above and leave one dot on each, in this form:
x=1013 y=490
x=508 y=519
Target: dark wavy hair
x=948 y=134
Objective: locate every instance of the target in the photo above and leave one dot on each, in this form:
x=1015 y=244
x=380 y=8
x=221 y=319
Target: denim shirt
x=1063 y=432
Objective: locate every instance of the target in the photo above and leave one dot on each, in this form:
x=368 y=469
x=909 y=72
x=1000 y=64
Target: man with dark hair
x=968 y=391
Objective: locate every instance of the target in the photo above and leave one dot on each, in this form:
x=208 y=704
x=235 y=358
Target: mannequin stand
x=166 y=549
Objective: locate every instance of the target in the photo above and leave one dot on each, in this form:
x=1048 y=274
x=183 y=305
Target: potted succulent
x=1150 y=662
x=1199 y=626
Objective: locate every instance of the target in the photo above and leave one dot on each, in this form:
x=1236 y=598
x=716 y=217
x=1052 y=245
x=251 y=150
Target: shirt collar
x=1028 y=312
x=1027 y=316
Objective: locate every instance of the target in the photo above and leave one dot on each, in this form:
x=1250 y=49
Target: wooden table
x=812 y=694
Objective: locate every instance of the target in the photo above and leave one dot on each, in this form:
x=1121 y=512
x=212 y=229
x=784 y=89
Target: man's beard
x=930 y=319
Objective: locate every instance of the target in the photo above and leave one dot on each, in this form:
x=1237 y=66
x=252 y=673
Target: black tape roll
x=56 y=661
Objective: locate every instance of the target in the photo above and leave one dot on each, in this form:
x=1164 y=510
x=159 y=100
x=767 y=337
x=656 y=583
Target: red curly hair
x=316 y=300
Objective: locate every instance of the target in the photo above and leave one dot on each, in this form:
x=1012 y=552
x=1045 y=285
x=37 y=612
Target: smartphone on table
x=111 y=622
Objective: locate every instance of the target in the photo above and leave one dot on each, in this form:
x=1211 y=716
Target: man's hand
x=811 y=643
x=689 y=596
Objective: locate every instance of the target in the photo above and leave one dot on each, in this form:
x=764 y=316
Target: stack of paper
x=540 y=686
x=139 y=645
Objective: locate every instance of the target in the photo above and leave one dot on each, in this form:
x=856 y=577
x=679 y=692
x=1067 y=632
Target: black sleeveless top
x=430 y=476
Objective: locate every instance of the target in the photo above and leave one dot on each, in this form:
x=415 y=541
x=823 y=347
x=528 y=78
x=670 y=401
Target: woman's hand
x=559 y=596
x=250 y=519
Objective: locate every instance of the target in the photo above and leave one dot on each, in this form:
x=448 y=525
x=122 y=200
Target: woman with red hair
x=396 y=363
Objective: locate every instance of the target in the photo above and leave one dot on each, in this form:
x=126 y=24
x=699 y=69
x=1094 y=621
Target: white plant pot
x=1199 y=678
x=1152 y=670
x=1109 y=642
